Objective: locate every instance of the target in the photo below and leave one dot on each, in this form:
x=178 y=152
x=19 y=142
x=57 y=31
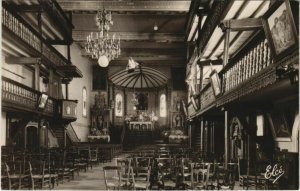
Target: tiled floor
x=93 y=179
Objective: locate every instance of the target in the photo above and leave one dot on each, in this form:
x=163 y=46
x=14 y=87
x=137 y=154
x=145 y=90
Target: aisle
x=92 y=179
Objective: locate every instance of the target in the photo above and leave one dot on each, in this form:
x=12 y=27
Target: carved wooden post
x=37 y=76
x=226 y=140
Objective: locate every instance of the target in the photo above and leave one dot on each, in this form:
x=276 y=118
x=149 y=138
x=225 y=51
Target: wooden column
x=201 y=134
x=226 y=140
x=37 y=76
x=112 y=104
x=37 y=65
x=125 y=102
x=190 y=134
x=50 y=82
x=226 y=30
x=67 y=90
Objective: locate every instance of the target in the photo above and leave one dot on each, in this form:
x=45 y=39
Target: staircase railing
x=72 y=134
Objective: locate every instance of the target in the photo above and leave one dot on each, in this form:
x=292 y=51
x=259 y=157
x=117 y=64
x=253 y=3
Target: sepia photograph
x=149 y=95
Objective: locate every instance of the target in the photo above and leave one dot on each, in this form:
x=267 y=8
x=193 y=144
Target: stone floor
x=93 y=179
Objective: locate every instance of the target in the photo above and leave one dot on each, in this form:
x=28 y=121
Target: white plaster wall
x=3 y=129
x=17 y=73
x=81 y=125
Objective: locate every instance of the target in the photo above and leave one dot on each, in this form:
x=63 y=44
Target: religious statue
x=97 y=112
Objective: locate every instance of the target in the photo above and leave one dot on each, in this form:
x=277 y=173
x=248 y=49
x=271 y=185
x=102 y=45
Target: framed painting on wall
x=281 y=130
x=215 y=82
x=119 y=105
x=280 y=29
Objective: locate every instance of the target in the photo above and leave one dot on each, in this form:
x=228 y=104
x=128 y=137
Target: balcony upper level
x=17 y=97
x=20 y=40
x=56 y=26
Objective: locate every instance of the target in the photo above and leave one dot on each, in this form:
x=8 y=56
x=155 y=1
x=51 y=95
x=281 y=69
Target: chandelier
x=100 y=44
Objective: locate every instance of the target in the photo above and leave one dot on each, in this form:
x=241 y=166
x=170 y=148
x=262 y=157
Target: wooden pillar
x=213 y=137
x=226 y=140
x=190 y=134
x=67 y=90
x=226 y=30
x=125 y=102
x=65 y=137
x=201 y=134
x=37 y=65
x=50 y=82
x=37 y=76
x=112 y=104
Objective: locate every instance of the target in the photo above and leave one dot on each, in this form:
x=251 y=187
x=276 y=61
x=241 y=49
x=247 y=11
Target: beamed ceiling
x=134 y=21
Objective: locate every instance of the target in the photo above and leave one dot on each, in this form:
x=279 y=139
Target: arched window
x=119 y=105
x=163 y=106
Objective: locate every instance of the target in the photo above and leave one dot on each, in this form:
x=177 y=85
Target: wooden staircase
x=59 y=134
x=70 y=133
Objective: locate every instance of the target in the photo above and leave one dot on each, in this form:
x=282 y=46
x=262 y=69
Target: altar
x=141 y=125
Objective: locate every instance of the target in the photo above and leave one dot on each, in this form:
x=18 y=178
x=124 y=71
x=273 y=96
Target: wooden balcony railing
x=254 y=59
x=20 y=97
x=21 y=31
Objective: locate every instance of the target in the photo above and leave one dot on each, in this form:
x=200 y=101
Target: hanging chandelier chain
x=101 y=43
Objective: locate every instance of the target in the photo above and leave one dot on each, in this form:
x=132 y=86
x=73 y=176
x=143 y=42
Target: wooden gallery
x=150 y=95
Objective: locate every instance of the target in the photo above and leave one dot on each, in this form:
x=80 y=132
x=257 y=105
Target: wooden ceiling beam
x=147 y=45
x=22 y=60
x=147 y=52
x=25 y=8
x=190 y=18
x=153 y=55
x=243 y=24
x=238 y=13
x=79 y=35
x=175 y=62
x=210 y=62
x=112 y=5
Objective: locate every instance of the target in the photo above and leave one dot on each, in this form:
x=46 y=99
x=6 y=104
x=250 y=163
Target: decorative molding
x=257 y=82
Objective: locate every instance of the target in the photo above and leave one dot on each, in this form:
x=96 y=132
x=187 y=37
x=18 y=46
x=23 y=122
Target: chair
x=142 y=161
x=39 y=178
x=226 y=177
x=242 y=169
x=141 y=178
x=93 y=156
x=110 y=172
x=255 y=177
x=126 y=174
x=5 y=178
x=204 y=171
